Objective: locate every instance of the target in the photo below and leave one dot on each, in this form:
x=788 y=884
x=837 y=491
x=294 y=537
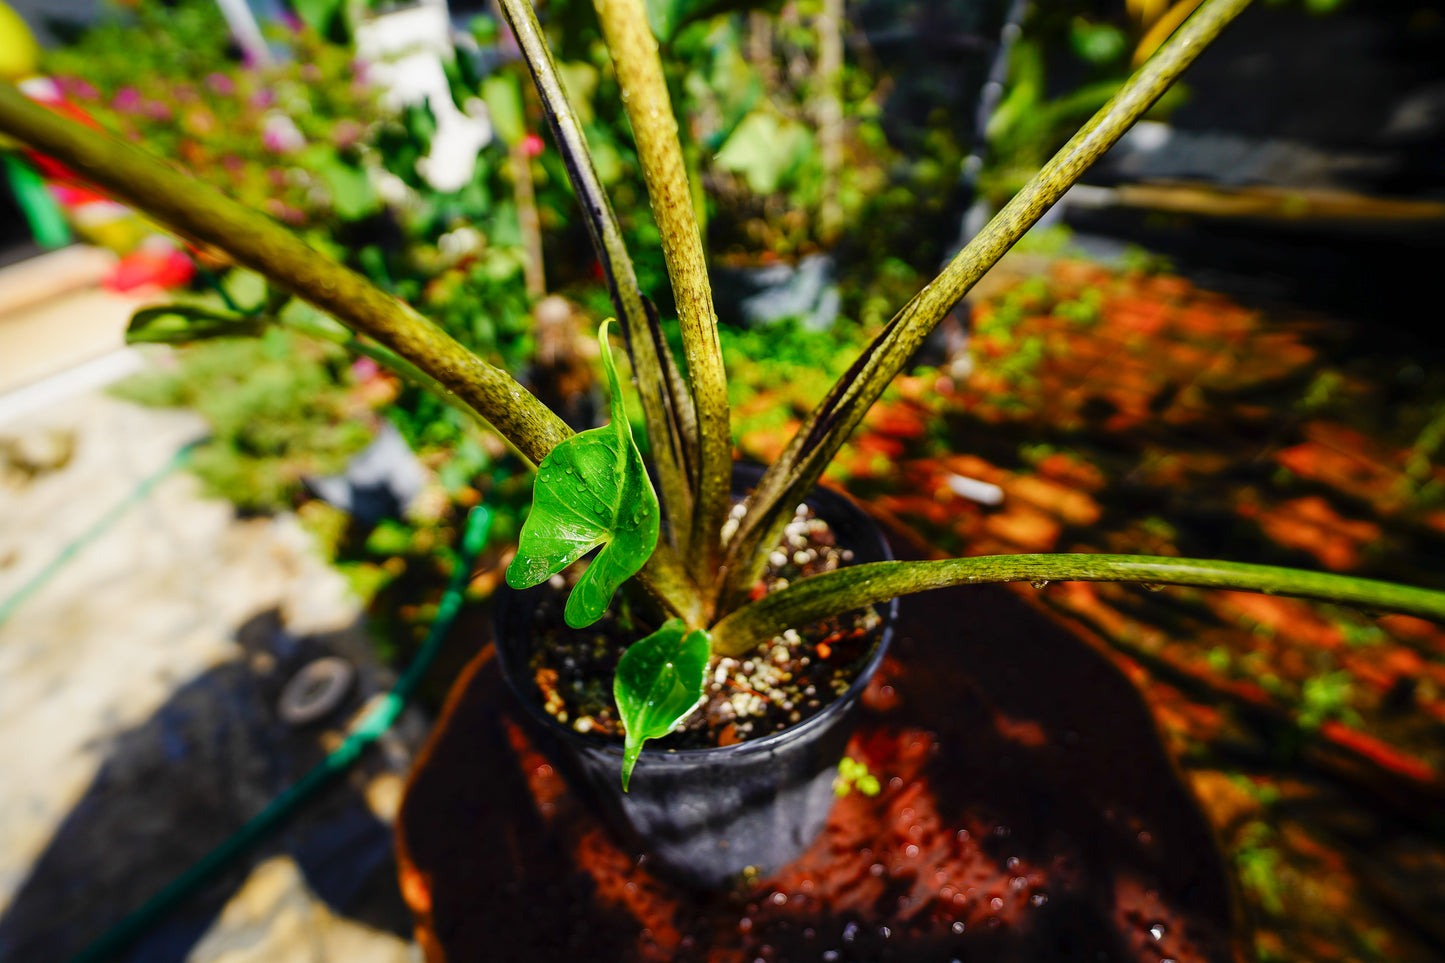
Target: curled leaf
x=184 y=323
x=591 y=490
x=659 y=681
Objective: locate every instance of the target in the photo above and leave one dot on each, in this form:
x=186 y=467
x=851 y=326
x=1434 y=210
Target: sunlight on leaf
x=659 y=681
x=591 y=490
x=184 y=323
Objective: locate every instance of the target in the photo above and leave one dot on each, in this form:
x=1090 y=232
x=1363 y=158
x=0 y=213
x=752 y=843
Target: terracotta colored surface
x=1314 y=735
x=1028 y=813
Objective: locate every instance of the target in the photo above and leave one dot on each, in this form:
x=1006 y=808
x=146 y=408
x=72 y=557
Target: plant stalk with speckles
x=696 y=576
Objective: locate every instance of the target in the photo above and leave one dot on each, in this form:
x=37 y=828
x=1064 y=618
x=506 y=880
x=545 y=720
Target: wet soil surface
x=785 y=680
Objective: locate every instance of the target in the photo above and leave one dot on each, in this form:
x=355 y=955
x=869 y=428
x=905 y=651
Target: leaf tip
x=581 y=611
x=523 y=572
x=631 y=750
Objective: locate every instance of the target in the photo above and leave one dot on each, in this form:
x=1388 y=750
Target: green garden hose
x=367 y=730
x=41 y=211
x=147 y=484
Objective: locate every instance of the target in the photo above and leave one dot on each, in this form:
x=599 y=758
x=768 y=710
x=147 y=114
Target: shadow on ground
x=176 y=786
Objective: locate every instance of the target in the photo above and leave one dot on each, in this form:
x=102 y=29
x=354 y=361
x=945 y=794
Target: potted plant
x=689 y=560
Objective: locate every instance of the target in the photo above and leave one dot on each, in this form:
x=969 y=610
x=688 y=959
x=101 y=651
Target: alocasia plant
x=659 y=682
x=592 y=489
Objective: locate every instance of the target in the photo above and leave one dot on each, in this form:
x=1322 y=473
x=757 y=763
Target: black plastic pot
x=708 y=817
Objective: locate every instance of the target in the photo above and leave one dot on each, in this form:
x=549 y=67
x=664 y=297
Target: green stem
x=528 y=220
x=828 y=113
x=194 y=210
x=843 y=590
x=654 y=128
x=381 y=355
x=666 y=405
x=797 y=470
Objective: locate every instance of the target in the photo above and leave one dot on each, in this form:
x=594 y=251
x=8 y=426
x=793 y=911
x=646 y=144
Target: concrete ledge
x=52 y=275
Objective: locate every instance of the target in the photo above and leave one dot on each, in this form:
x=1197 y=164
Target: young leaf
x=659 y=681
x=591 y=490
x=184 y=323
x=666 y=400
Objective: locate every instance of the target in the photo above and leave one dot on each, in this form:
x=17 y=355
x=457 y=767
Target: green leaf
x=580 y=79
x=591 y=490
x=244 y=290
x=503 y=97
x=1098 y=43
x=352 y=196
x=320 y=15
x=183 y=323
x=668 y=17
x=764 y=150
x=306 y=319
x=658 y=683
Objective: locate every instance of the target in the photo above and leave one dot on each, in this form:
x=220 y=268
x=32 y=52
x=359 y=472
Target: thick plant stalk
x=760 y=47
x=192 y=209
x=666 y=405
x=654 y=128
x=385 y=357
x=828 y=427
x=530 y=223
x=828 y=114
x=199 y=212
x=845 y=589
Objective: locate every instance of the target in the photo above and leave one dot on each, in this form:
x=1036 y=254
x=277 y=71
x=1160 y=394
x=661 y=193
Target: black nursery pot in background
x=708 y=817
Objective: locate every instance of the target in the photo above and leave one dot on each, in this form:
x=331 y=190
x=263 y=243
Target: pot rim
x=834 y=501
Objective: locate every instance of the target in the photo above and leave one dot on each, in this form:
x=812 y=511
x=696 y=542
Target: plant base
x=1028 y=812
x=708 y=818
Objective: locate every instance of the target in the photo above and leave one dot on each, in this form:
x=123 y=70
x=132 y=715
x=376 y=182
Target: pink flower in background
x=233 y=164
x=157 y=110
x=127 y=100
x=221 y=84
x=262 y=99
x=77 y=88
x=364 y=369
x=280 y=134
x=284 y=212
x=532 y=145
x=199 y=121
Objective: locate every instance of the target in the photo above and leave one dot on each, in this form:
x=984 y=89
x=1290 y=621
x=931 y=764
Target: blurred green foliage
x=280 y=407
x=289 y=139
